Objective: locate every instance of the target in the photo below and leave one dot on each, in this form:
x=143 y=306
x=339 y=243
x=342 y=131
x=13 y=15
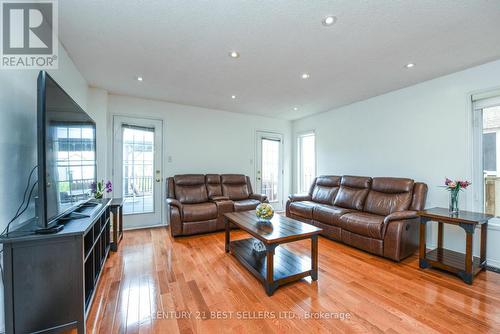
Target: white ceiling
x=181 y=48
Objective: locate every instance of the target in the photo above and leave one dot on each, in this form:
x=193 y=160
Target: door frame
x=162 y=126
x=281 y=187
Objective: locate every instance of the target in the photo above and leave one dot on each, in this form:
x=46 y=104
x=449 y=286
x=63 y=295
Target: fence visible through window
x=491 y=154
x=75 y=161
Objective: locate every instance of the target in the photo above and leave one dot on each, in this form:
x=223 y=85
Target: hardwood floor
x=156 y=284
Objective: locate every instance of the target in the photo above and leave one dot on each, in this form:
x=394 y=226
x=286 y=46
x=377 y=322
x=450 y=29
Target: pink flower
x=452 y=184
x=464 y=184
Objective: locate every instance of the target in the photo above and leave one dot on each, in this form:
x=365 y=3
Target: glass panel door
x=269 y=180
x=137 y=161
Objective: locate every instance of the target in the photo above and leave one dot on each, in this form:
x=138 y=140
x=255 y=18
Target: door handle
x=158 y=178
x=258 y=179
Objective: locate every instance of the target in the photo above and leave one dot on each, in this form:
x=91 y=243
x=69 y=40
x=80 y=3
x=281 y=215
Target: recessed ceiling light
x=410 y=65
x=305 y=76
x=234 y=54
x=295 y=108
x=233 y=97
x=329 y=20
x=139 y=79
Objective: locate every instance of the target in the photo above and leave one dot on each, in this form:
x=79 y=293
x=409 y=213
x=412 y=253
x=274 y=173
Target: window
x=271 y=168
x=138 y=155
x=307 y=160
x=486 y=134
x=75 y=161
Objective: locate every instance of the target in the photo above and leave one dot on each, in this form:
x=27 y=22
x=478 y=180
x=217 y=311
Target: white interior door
x=269 y=163
x=137 y=176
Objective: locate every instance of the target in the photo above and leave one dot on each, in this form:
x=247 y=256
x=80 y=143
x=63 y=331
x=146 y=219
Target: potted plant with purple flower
x=454 y=187
x=99 y=188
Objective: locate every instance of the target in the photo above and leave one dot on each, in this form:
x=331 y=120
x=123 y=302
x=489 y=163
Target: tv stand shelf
x=50 y=279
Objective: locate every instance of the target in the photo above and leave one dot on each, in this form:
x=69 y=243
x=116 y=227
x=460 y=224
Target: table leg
x=467 y=275
x=422 y=244
x=269 y=283
x=227 y=224
x=314 y=257
x=440 y=235
x=484 y=236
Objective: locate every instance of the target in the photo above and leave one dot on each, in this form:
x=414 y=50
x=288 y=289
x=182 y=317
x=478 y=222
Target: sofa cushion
x=356 y=181
x=325 y=189
x=364 y=223
x=328 y=214
x=201 y=211
x=235 y=186
x=302 y=209
x=392 y=185
x=190 y=188
x=352 y=192
x=388 y=195
x=214 y=187
x=246 y=204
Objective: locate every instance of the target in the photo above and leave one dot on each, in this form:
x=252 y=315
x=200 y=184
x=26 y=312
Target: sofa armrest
x=299 y=197
x=400 y=215
x=260 y=197
x=178 y=205
x=174 y=202
x=218 y=198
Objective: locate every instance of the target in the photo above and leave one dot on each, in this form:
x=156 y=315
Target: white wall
x=18 y=151
x=423 y=132
x=98 y=109
x=203 y=140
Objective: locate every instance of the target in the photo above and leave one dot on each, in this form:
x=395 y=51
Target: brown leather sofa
x=378 y=215
x=197 y=202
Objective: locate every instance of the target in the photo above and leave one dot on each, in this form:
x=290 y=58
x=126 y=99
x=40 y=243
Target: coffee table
x=277 y=265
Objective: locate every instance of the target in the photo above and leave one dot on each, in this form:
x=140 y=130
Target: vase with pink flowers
x=454 y=187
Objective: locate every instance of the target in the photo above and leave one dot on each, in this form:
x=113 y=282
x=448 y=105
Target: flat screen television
x=66 y=153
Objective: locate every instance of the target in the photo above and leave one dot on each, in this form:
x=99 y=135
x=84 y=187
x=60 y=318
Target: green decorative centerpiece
x=454 y=187
x=264 y=212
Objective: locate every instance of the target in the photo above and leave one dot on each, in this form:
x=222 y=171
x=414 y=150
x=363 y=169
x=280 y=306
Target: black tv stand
x=50 y=279
x=50 y=230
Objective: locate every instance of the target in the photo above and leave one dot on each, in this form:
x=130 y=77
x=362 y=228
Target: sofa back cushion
x=325 y=189
x=352 y=192
x=190 y=188
x=214 y=187
x=419 y=196
x=234 y=186
x=388 y=195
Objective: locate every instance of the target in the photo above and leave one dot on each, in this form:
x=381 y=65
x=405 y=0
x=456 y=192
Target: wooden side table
x=466 y=266
x=117 y=226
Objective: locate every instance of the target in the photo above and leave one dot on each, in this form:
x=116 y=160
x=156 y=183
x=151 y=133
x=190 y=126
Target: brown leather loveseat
x=376 y=214
x=197 y=202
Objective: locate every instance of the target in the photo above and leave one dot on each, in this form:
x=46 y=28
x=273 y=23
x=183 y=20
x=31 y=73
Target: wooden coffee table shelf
x=277 y=265
x=287 y=265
